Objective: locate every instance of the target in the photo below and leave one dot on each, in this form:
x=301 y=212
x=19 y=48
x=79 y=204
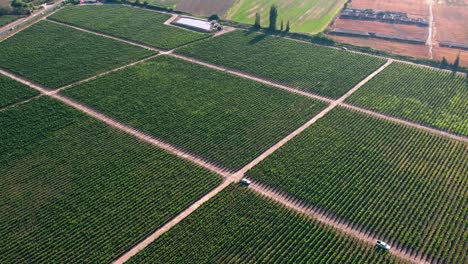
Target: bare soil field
x=450 y=21
x=414 y=8
x=205 y=7
x=384 y=28
x=450 y=54
x=420 y=51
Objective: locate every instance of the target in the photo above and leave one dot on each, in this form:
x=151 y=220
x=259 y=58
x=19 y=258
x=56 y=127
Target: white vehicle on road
x=383 y=245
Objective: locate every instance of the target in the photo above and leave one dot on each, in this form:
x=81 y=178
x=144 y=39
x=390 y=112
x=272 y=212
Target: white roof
x=196 y=23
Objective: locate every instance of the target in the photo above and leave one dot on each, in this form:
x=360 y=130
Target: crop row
x=55 y=55
x=75 y=191
x=431 y=97
x=135 y=24
x=407 y=186
x=320 y=70
x=13 y=92
x=225 y=119
x=238 y=226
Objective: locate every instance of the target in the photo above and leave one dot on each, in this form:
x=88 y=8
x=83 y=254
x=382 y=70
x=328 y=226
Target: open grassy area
x=55 y=55
x=308 y=16
x=6 y=19
x=78 y=191
x=406 y=185
x=12 y=92
x=431 y=97
x=134 y=24
x=223 y=118
x=315 y=69
x=164 y=3
x=238 y=226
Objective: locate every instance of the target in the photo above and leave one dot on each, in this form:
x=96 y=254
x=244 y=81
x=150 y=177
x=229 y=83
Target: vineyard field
x=135 y=24
x=74 y=189
x=320 y=70
x=238 y=226
x=407 y=186
x=67 y=55
x=13 y=92
x=225 y=119
x=430 y=97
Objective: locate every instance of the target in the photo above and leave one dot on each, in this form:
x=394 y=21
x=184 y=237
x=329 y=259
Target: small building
x=196 y=24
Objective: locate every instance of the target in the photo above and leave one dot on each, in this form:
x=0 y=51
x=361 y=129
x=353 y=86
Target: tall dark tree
x=288 y=26
x=456 y=64
x=273 y=17
x=282 y=25
x=444 y=63
x=257 y=21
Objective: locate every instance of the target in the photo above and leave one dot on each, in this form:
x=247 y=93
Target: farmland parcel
x=309 y=16
x=66 y=55
x=143 y=26
x=226 y=119
x=431 y=97
x=238 y=226
x=75 y=190
x=13 y=92
x=315 y=69
x=406 y=185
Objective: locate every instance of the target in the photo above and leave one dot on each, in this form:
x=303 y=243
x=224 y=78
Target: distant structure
x=84 y=2
x=382 y=16
x=198 y=24
x=454 y=45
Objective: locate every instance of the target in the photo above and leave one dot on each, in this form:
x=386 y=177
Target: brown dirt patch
x=420 y=51
x=450 y=21
x=384 y=28
x=205 y=7
x=450 y=55
x=414 y=8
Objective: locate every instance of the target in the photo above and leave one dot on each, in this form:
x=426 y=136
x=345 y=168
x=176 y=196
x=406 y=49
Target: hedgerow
x=238 y=226
x=75 y=190
x=13 y=92
x=225 y=119
x=405 y=185
x=321 y=70
x=136 y=24
x=431 y=97
x=55 y=55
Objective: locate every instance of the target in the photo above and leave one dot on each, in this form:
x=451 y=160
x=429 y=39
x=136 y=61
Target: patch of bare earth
x=205 y=7
x=383 y=28
x=406 y=49
x=450 y=24
x=414 y=8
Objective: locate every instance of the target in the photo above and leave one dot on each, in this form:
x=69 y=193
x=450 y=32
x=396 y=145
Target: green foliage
x=315 y=69
x=13 y=92
x=431 y=97
x=66 y=55
x=134 y=24
x=238 y=226
x=74 y=189
x=273 y=17
x=444 y=63
x=405 y=185
x=6 y=19
x=223 y=118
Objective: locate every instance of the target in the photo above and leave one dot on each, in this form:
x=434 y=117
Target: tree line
x=273 y=19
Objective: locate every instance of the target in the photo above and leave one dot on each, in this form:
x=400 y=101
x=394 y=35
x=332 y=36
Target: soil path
x=431 y=26
x=328 y=219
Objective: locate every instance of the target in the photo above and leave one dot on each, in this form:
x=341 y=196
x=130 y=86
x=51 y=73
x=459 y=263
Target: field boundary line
x=21 y=102
x=373 y=113
x=106 y=73
x=335 y=222
x=120 y=126
x=105 y=35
